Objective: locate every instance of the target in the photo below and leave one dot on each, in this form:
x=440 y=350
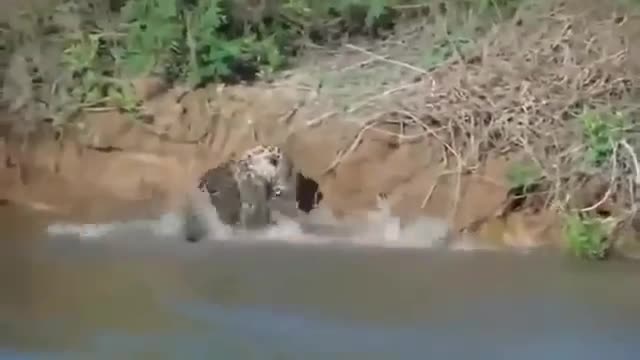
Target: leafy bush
x=89 y=83
x=93 y=52
x=602 y=133
x=152 y=27
x=177 y=40
x=587 y=237
x=197 y=40
x=202 y=41
x=194 y=41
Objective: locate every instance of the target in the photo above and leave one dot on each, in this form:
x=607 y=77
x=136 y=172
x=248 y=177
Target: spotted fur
x=255 y=193
x=270 y=163
x=242 y=188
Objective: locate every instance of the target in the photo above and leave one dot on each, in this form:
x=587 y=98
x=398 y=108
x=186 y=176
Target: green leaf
x=212 y=16
x=136 y=64
x=166 y=8
x=376 y=9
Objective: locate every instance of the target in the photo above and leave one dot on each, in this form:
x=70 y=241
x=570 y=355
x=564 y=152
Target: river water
x=140 y=297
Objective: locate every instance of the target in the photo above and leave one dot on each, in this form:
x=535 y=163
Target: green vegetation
x=83 y=59
x=586 y=233
x=602 y=133
x=587 y=237
x=523 y=176
x=191 y=41
x=195 y=42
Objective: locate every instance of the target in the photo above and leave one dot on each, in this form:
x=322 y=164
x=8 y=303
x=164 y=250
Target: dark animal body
x=255 y=194
x=240 y=196
x=242 y=189
x=224 y=192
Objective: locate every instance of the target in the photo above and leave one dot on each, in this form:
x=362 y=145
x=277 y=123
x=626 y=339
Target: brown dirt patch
x=110 y=157
x=111 y=160
x=411 y=175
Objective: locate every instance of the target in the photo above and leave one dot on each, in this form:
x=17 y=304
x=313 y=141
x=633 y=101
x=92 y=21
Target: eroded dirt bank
x=109 y=163
x=549 y=93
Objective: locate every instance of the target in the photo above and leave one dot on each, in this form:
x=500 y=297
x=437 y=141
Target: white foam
x=85 y=231
x=168 y=225
x=378 y=228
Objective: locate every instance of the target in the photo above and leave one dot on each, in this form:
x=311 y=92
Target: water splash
x=377 y=228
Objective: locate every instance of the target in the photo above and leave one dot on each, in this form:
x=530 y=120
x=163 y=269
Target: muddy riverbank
x=526 y=129
x=108 y=162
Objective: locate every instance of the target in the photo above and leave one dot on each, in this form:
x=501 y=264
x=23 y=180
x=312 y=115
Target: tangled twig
x=352 y=109
x=353 y=145
x=636 y=166
x=612 y=180
x=390 y=61
x=518 y=97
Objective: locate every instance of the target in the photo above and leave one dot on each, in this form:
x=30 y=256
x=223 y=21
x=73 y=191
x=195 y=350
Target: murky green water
x=138 y=298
